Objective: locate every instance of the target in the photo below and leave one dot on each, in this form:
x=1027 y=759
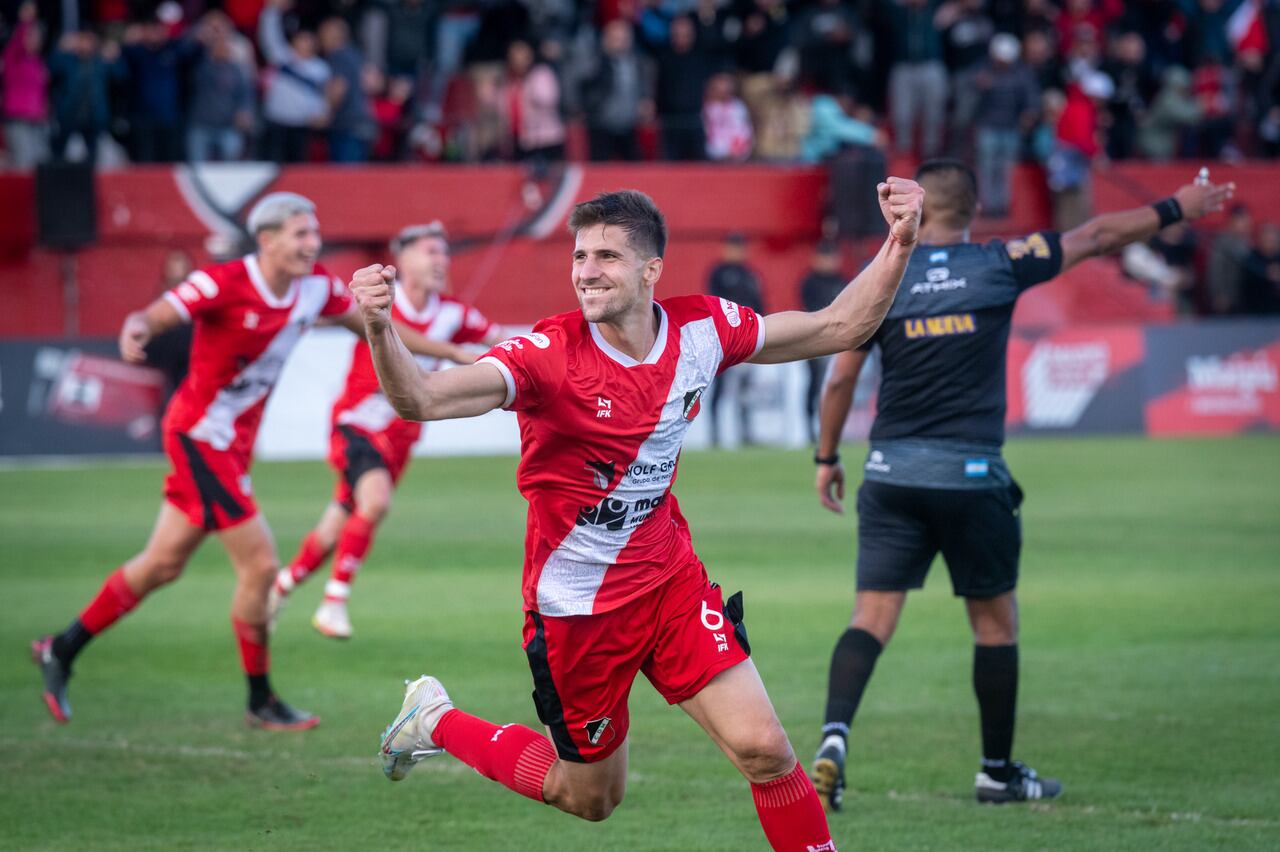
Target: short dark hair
x=632 y=211
x=952 y=191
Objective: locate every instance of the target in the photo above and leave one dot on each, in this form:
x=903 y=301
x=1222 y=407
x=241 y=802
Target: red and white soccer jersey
x=363 y=407
x=242 y=336
x=600 y=441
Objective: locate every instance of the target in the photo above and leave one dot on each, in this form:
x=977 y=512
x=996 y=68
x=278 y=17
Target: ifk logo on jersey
x=604 y=407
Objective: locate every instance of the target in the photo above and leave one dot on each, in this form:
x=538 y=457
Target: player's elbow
x=410 y=406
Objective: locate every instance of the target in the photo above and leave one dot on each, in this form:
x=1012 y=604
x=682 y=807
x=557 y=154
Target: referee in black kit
x=934 y=479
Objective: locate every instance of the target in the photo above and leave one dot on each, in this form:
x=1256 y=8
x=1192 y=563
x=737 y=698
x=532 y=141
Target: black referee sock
x=851 y=665
x=67 y=644
x=995 y=682
x=259 y=691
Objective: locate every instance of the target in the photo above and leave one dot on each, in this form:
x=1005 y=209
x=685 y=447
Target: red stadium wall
x=511 y=252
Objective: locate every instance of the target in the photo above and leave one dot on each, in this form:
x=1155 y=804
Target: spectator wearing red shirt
x=25 y=98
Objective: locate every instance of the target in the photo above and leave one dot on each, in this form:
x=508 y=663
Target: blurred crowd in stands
x=1067 y=84
x=1064 y=83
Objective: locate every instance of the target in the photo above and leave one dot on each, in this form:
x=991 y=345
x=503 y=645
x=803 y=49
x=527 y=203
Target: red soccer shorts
x=583 y=665
x=211 y=487
x=354 y=452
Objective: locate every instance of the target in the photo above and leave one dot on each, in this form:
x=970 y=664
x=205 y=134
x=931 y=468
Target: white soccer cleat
x=276 y=597
x=332 y=620
x=407 y=740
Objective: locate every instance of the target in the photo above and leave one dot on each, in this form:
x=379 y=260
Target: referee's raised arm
x=1111 y=232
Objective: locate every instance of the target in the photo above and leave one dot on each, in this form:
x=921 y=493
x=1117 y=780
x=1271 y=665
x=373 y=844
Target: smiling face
x=294 y=246
x=610 y=278
x=423 y=265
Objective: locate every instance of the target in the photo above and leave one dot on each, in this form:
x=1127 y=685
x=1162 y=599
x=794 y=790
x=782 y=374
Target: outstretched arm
x=857 y=312
x=140 y=326
x=1111 y=232
x=837 y=397
x=462 y=392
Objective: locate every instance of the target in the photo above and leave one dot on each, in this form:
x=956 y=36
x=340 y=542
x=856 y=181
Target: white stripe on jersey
x=572 y=574
x=447 y=323
x=217 y=427
x=445 y=317
x=373 y=414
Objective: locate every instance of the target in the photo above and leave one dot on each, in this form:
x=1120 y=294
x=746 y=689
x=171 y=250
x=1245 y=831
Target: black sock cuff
x=259 y=691
x=996 y=655
x=858 y=640
x=67 y=644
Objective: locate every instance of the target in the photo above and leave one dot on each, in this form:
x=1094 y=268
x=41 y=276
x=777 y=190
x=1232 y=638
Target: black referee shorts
x=901 y=529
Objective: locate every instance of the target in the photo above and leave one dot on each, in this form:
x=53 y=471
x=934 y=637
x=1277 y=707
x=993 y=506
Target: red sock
x=113 y=600
x=255 y=657
x=791 y=814
x=310 y=554
x=353 y=544
x=517 y=757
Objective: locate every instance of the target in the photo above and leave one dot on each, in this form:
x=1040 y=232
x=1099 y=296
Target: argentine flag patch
x=976 y=467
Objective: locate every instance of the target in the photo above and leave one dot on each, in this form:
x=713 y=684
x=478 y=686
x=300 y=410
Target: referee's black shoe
x=828 y=773
x=55 y=674
x=1023 y=785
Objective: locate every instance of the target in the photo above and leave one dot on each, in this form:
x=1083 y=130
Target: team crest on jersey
x=693 y=403
x=731 y=312
x=599 y=732
x=251 y=319
x=602 y=472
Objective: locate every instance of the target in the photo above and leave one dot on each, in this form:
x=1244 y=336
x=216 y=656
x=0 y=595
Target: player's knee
x=766 y=754
x=374 y=508
x=261 y=570
x=162 y=570
x=597 y=805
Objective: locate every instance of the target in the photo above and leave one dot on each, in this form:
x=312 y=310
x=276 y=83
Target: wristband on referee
x=832 y=459
x=1169 y=211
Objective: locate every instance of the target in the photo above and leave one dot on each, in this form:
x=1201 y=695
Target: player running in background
x=247 y=315
x=934 y=479
x=612 y=586
x=369 y=445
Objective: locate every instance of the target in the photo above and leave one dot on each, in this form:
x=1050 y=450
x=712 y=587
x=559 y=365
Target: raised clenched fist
x=374 y=290
x=902 y=203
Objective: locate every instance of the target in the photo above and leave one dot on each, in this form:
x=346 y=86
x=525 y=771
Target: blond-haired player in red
x=369 y=446
x=247 y=316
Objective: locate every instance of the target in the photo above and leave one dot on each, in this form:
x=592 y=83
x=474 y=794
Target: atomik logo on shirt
x=939 y=280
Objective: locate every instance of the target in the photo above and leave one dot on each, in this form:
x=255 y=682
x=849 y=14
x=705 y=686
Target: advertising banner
x=1075 y=380
x=1213 y=378
x=76 y=397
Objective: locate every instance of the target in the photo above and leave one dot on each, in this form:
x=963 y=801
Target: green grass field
x=1151 y=666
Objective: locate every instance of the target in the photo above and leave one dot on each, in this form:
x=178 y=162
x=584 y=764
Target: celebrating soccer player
x=611 y=585
x=369 y=445
x=247 y=315
x=934 y=479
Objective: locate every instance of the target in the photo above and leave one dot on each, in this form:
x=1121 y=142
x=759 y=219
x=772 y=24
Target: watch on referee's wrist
x=832 y=459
